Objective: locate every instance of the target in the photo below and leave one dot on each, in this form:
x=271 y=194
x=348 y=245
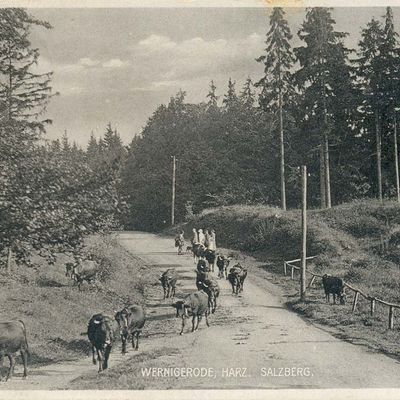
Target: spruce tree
x=276 y=84
x=325 y=84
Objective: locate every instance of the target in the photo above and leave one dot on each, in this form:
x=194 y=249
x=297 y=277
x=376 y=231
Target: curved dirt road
x=263 y=340
x=253 y=341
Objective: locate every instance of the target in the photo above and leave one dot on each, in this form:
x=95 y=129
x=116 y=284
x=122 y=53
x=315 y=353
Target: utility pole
x=396 y=158
x=173 y=190
x=304 y=232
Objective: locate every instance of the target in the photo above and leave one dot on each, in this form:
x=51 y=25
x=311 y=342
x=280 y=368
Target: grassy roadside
x=345 y=240
x=56 y=313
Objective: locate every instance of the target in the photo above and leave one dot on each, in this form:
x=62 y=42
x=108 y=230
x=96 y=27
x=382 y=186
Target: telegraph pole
x=304 y=232
x=173 y=190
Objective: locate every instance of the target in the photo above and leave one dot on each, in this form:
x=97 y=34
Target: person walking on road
x=180 y=242
x=211 y=241
x=195 y=237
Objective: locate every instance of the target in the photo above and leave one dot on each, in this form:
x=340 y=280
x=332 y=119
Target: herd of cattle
x=131 y=319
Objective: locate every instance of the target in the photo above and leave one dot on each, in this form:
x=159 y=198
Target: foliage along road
x=253 y=341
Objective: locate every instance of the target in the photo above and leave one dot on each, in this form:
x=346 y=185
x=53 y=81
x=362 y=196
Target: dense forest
x=321 y=104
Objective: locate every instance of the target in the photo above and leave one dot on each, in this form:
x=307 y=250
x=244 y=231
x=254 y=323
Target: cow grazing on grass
x=13 y=340
x=101 y=337
x=131 y=320
x=335 y=286
x=168 y=281
x=223 y=264
x=194 y=305
x=82 y=271
x=237 y=275
x=210 y=256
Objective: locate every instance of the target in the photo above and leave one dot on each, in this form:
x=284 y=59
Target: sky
x=119 y=64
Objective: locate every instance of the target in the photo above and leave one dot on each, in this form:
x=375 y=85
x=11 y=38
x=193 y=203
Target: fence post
x=292 y=273
x=304 y=232
x=391 y=317
x=355 y=301
x=372 y=306
x=312 y=281
x=284 y=267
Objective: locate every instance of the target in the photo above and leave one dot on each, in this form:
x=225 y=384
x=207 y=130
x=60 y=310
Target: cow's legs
x=100 y=358
x=24 y=356
x=123 y=339
x=94 y=355
x=206 y=315
x=133 y=340
x=195 y=323
x=183 y=325
x=137 y=340
x=12 y=365
x=107 y=352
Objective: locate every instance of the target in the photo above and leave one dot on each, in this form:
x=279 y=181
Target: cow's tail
x=26 y=341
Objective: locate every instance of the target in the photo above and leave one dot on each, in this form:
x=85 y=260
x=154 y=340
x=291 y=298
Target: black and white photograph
x=199 y=199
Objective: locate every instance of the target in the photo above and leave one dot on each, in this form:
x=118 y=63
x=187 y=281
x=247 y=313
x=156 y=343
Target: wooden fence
x=357 y=292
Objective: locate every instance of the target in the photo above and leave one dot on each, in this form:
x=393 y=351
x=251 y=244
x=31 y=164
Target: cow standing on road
x=335 y=286
x=223 y=264
x=210 y=256
x=101 y=337
x=12 y=340
x=131 y=320
x=194 y=305
x=168 y=281
x=237 y=275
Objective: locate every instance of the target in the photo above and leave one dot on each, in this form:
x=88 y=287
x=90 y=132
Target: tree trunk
x=322 y=175
x=378 y=155
x=304 y=232
x=282 y=146
x=326 y=157
x=396 y=157
x=9 y=256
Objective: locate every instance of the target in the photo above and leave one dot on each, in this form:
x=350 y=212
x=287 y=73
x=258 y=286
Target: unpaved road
x=253 y=341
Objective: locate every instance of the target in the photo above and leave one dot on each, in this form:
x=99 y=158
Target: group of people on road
x=206 y=238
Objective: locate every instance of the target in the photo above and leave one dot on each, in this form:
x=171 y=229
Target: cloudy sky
x=119 y=64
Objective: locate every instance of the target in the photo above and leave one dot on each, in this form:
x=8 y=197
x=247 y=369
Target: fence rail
x=357 y=292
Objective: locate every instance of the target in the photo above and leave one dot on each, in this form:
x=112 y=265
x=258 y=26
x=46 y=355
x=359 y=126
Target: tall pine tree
x=276 y=84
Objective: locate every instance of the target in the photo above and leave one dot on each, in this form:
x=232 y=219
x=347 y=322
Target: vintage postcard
x=199 y=199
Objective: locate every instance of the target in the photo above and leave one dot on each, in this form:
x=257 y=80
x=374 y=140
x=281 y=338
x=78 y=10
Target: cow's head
x=122 y=319
x=69 y=267
x=181 y=308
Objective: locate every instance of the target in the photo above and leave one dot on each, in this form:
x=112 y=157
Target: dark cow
x=210 y=256
x=202 y=266
x=12 y=340
x=237 y=275
x=131 y=320
x=188 y=249
x=194 y=305
x=223 y=264
x=168 y=281
x=201 y=276
x=198 y=250
x=101 y=337
x=335 y=286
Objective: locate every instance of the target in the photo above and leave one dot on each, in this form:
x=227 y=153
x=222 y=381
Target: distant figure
x=212 y=245
x=195 y=237
x=206 y=238
x=202 y=238
x=180 y=242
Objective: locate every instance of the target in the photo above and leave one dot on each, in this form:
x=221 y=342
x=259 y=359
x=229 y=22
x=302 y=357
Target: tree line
x=322 y=104
x=52 y=194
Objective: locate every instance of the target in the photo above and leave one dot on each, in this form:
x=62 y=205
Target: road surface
x=253 y=341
